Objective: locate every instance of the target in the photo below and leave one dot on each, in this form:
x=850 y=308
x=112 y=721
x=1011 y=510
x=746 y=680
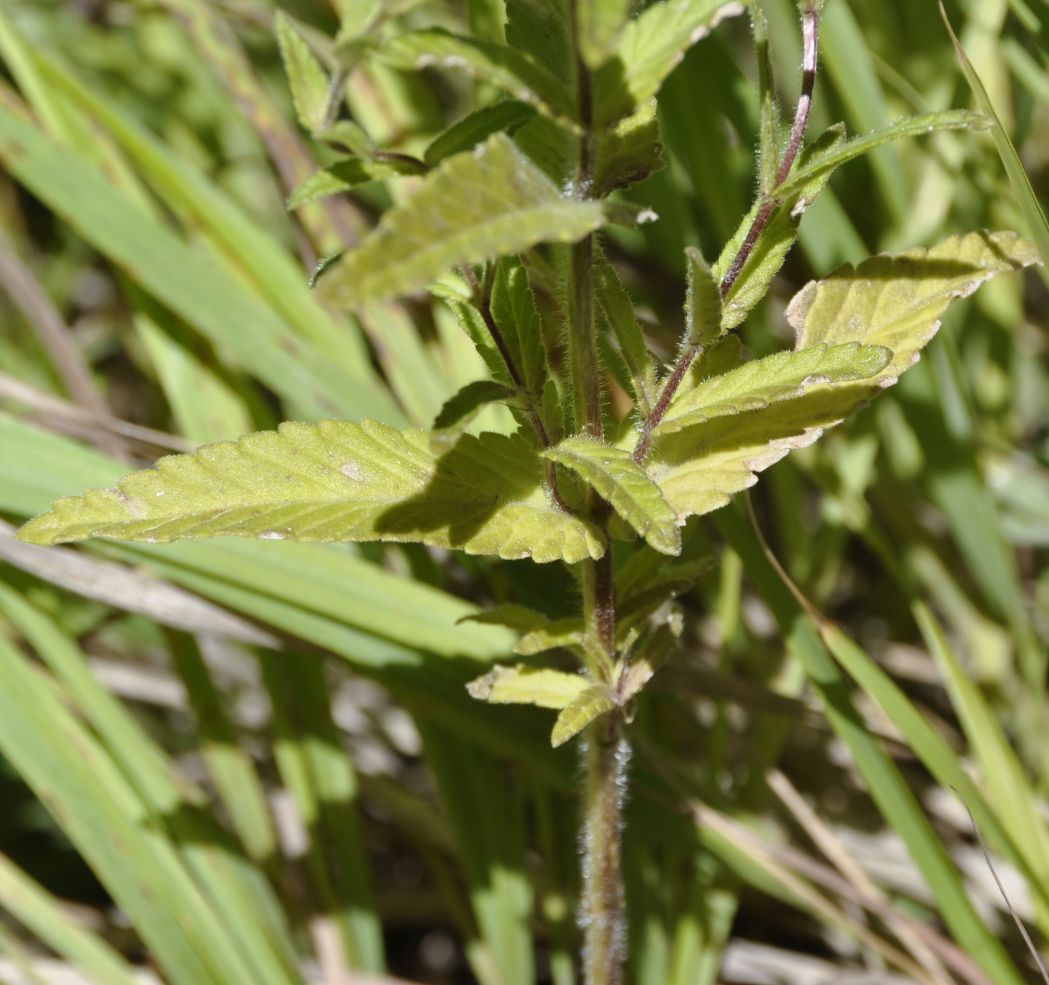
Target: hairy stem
x=767 y=205
x=605 y=758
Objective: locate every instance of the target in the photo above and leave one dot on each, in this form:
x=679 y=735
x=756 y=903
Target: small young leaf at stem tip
x=492 y=201
x=337 y=481
x=527 y=686
x=306 y=77
x=703 y=301
x=616 y=477
x=586 y=708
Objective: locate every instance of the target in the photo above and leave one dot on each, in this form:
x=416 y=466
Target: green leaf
x=348 y=135
x=555 y=634
x=337 y=481
x=516 y=316
x=519 y=618
x=350 y=173
x=703 y=309
x=822 y=164
x=357 y=18
x=464 y=404
x=893 y=302
x=590 y=705
x=524 y=685
x=620 y=480
x=490 y=202
x=898 y=301
x=1033 y=212
x=306 y=77
x=510 y=71
x=599 y=23
x=774 y=243
x=629 y=152
x=538 y=29
x=617 y=309
x=762 y=382
x=648 y=49
x=475 y=127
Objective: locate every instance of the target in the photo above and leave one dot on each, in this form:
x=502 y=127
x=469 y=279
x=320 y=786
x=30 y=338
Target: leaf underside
x=337 y=481
x=523 y=685
x=490 y=202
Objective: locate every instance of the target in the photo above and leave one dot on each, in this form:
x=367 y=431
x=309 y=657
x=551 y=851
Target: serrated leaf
x=822 y=164
x=516 y=316
x=509 y=70
x=702 y=301
x=556 y=634
x=629 y=152
x=493 y=201
x=650 y=656
x=471 y=322
x=527 y=686
x=588 y=707
x=472 y=129
x=623 y=483
x=357 y=18
x=343 y=175
x=599 y=23
x=898 y=301
x=647 y=51
x=467 y=401
x=762 y=382
x=895 y=302
x=775 y=242
x=306 y=76
x=336 y=481
x=550 y=147
x=617 y=309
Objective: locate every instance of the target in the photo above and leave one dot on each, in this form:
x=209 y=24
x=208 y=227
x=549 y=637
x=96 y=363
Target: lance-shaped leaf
x=893 y=302
x=517 y=617
x=508 y=69
x=898 y=301
x=774 y=243
x=528 y=686
x=824 y=162
x=590 y=705
x=306 y=77
x=617 y=309
x=623 y=483
x=517 y=318
x=466 y=402
x=553 y=635
x=337 y=481
x=347 y=174
x=647 y=51
x=703 y=309
x=476 y=127
x=762 y=382
x=491 y=202
x=538 y=28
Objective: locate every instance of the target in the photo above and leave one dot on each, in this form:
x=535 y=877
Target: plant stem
x=767 y=205
x=603 y=916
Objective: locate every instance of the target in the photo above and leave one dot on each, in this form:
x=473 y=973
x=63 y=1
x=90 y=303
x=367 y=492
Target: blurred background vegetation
x=256 y=763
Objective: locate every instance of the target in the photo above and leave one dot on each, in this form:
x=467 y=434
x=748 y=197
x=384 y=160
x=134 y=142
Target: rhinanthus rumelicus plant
x=608 y=452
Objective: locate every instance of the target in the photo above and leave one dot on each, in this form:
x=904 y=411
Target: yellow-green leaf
x=590 y=705
x=306 y=77
x=490 y=202
x=527 y=686
x=337 y=481
x=623 y=483
x=703 y=301
x=761 y=382
x=898 y=301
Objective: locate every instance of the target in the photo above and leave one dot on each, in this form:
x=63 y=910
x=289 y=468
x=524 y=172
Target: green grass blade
x=1030 y=208
x=43 y=916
